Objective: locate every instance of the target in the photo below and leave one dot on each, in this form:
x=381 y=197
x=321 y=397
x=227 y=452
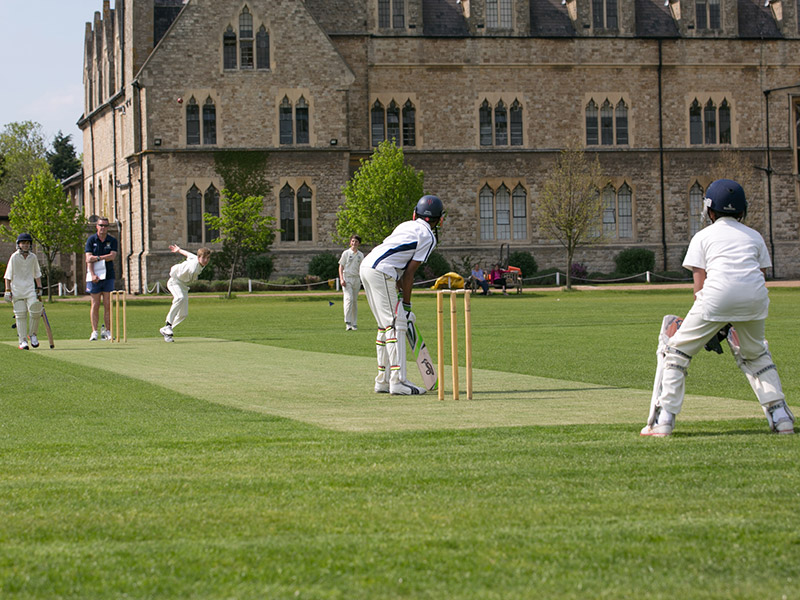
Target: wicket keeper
x=728 y=261
x=391 y=267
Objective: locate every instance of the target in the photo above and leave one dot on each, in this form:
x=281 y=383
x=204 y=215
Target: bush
x=435 y=267
x=259 y=266
x=324 y=266
x=635 y=260
x=525 y=261
x=578 y=270
x=59 y=275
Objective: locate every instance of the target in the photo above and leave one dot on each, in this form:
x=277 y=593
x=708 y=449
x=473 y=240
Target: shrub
x=59 y=275
x=436 y=266
x=578 y=270
x=324 y=266
x=635 y=260
x=525 y=261
x=259 y=266
x=201 y=286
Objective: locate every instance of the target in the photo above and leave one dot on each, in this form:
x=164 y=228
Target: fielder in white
x=23 y=279
x=350 y=280
x=180 y=277
x=728 y=262
x=391 y=267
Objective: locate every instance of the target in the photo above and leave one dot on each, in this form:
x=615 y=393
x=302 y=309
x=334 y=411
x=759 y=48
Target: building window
x=194 y=216
x=498 y=14
x=604 y=14
x=209 y=122
x=192 y=122
x=229 y=48
x=391 y=123
x=607 y=125
x=296 y=214
x=211 y=198
x=197 y=204
x=294 y=121
x=246 y=39
x=797 y=133
x=503 y=214
x=262 y=48
x=709 y=122
x=617 y=212
x=391 y=14
x=708 y=14
x=696 y=194
x=493 y=123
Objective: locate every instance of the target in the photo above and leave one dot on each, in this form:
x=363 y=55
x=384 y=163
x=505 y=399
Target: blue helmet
x=428 y=208
x=726 y=198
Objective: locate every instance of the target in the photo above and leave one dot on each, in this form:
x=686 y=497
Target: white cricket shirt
x=186 y=271
x=411 y=240
x=22 y=273
x=732 y=255
x=351 y=262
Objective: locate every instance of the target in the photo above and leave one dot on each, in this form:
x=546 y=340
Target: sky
x=41 y=45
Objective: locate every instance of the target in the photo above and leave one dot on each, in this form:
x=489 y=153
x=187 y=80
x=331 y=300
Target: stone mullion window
x=409 y=124
x=724 y=123
x=285 y=122
x=398 y=14
x=393 y=123
x=287 y=214
x=797 y=130
x=194 y=216
x=211 y=201
x=516 y=124
x=301 y=119
x=604 y=14
x=621 y=122
x=485 y=123
x=606 y=124
x=708 y=14
x=519 y=211
x=377 y=124
x=710 y=123
x=192 y=122
x=503 y=213
x=384 y=14
x=305 y=229
x=262 y=48
x=209 y=122
x=493 y=124
x=609 y=212
x=695 y=123
x=591 y=124
x=229 y=54
x=696 y=194
x=500 y=124
x=246 y=39
x=486 y=211
x=625 y=212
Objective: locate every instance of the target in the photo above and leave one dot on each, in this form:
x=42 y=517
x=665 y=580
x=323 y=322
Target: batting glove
x=7 y=296
x=410 y=316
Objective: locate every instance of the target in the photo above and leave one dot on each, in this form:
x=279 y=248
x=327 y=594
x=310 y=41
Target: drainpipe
x=661 y=158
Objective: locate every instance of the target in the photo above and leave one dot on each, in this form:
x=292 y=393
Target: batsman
x=390 y=268
x=728 y=261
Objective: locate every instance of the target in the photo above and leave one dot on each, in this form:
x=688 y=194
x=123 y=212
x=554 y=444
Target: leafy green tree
x=242 y=228
x=24 y=150
x=242 y=172
x=62 y=160
x=44 y=211
x=570 y=206
x=381 y=195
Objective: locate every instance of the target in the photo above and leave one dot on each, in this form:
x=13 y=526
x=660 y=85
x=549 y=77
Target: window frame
x=404 y=108
x=501 y=120
x=605 y=15
x=710 y=120
x=618 y=211
x=503 y=214
x=297 y=211
x=294 y=114
x=606 y=120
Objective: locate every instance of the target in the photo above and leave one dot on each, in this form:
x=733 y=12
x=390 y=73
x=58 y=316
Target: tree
x=23 y=148
x=242 y=172
x=570 y=206
x=62 y=160
x=242 y=229
x=44 y=211
x=381 y=195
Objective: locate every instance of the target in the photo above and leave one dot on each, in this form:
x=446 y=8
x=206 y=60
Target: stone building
x=481 y=94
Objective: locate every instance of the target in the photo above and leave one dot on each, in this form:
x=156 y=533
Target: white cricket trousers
x=755 y=360
x=390 y=344
x=350 y=294
x=180 y=302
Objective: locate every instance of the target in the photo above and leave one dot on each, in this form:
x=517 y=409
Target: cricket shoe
x=781 y=419
x=105 y=334
x=34 y=340
x=662 y=426
x=169 y=338
x=23 y=345
x=166 y=330
x=405 y=388
x=381 y=388
x=93 y=337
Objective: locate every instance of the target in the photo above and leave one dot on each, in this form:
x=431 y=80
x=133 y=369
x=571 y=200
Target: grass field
x=250 y=459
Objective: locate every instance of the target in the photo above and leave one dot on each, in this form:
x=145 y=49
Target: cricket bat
x=47 y=326
x=422 y=357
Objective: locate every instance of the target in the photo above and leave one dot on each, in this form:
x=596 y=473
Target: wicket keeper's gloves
x=7 y=296
x=713 y=344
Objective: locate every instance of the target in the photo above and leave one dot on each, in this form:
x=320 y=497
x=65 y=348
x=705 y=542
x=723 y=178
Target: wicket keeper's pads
x=761 y=372
x=669 y=325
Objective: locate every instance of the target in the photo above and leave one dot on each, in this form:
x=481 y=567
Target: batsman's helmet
x=24 y=237
x=726 y=198
x=429 y=208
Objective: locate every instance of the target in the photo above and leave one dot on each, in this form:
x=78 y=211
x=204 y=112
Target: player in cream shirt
x=180 y=277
